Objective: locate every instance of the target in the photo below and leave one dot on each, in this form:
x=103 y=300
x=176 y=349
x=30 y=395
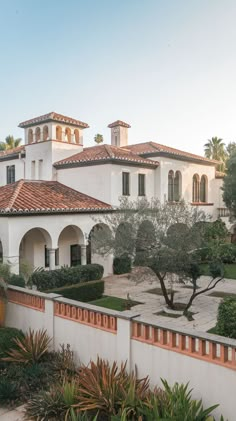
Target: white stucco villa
x=53 y=186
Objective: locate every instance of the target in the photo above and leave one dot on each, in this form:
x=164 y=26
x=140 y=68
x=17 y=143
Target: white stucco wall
x=19 y=170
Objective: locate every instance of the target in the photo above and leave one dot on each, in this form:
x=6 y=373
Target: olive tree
x=164 y=237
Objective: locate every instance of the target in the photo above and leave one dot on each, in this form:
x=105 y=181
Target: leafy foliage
x=229 y=186
x=30 y=348
x=215 y=149
x=122 y=264
x=85 y=292
x=10 y=143
x=7 y=336
x=45 y=280
x=8 y=391
x=226 y=318
x=17 y=280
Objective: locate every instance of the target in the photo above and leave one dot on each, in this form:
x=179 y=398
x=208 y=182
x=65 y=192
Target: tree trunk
x=168 y=301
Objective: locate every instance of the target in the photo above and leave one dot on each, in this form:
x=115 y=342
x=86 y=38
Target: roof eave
x=73 y=164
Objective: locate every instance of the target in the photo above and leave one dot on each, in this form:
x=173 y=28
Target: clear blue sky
x=167 y=67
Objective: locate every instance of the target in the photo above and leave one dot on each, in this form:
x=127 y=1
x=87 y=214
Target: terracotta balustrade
x=86 y=316
x=28 y=300
x=204 y=348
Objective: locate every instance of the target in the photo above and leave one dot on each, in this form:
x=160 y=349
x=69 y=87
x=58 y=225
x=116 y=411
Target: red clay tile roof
x=27 y=197
x=107 y=153
x=13 y=151
x=119 y=123
x=53 y=117
x=153 y=148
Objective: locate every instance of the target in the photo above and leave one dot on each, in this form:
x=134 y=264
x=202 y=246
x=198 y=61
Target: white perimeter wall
x=211 y=382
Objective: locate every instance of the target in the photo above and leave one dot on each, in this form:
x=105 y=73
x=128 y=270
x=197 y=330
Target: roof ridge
x=17 y=190
x=107 y=148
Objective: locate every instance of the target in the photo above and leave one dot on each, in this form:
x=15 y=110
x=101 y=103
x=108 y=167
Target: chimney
x=119 y=133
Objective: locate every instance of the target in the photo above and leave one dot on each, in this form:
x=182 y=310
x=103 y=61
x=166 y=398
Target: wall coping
x=189 y=332
x=129 y=315
x=33 y=292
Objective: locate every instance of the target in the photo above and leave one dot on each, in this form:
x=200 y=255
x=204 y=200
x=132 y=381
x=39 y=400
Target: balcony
x=223 y=212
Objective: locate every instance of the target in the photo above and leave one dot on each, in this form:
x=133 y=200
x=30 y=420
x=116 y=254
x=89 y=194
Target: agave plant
x=101 y=387
x=29 y=349
x=179 y=404
x=46 y=405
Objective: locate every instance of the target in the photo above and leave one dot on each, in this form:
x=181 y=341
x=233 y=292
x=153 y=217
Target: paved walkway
x=205 y=306
x=12 y=415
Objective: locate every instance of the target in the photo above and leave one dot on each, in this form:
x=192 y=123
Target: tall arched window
x=203 y=189
x=196 y=188
x=30 y=136
x=45 y=132
x=68 y=135
x=171 y=186
x=37 y=134
x=76 y=134
x=58 y=133
x=177 y=186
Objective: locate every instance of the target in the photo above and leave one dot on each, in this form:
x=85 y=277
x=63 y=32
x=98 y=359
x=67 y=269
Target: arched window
x=177 y=186
x=196 y=188
x=68 y=135
x=171 y=186
x=45 y=133
x=76 y=134
x=30 y=136
x=58 y=133
x=37 y=134
x=203 y=189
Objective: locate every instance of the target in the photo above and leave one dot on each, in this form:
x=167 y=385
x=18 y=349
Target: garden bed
x=114 y=303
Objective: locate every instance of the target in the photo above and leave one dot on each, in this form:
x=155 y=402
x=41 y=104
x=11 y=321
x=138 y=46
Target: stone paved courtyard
x=205 y=306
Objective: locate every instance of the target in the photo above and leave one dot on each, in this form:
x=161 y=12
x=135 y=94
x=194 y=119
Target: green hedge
x=226 y=318
x=122 y=264
x=82 y=292
x=58 y=278
x=7 y=334
x=17 y=280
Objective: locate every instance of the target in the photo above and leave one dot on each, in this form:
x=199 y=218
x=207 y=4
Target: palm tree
x=98 y=138
x=10 y=143
x=215 y=149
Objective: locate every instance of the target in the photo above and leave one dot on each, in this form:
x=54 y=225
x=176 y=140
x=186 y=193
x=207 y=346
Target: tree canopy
x=164 y=237
x=229 y=186
x=98 y=138
x=215 y=149
x=10 y=143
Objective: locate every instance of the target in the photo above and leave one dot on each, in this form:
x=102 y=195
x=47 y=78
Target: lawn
x=230 y=270
x=114 y=303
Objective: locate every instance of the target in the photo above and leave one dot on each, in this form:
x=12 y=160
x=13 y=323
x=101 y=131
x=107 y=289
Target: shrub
x=8 y=391
x=46 y=405
x=58 y=278
x=5 y=272
x=7 y=335
x=226 y=318
x=82 y=292
x=227 y=253
x=17 y=280
x=122 y=264
x=29 y=349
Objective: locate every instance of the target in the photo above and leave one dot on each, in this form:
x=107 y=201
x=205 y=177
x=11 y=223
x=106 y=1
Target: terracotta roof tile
x=158 y=149
x=27 y=196
x=119 y=123
x=107 y=153
x=13 y=151
x=53 y=117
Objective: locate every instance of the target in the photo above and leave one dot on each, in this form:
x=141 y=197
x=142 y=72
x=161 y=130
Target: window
x=203 y=189
x=30 y=136
x=125 y=184
x=196 y=188
x=75 y=255
x=10 y=174
x=57 y=257
x=46 y=257
x=141 y=184
x=32 y=170
x=40 y=169
x=177 y=186
x=171 y=186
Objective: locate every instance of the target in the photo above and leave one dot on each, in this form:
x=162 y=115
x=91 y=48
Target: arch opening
x=34 y=248
x=69 y=246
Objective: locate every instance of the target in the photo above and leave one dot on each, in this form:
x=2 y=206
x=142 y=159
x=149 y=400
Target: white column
x=13 y=261
x=52 y=253
x=83 y=254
